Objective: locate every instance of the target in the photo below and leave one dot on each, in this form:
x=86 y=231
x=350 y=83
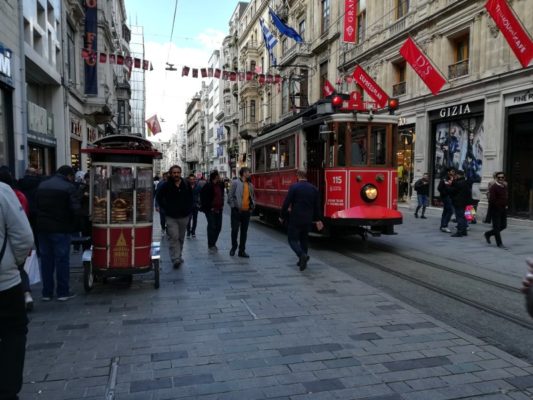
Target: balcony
x=249 y=86
x=248 y=130
x=458 y=69
x=299 y=51
x=397 y=27
x=399 y=89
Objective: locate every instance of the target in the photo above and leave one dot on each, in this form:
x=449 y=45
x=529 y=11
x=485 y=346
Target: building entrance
x=520 y=163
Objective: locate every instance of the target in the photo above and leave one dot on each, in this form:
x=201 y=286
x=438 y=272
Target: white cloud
x=167 y=92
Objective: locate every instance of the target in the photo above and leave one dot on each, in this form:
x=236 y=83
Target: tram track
x=441 y=290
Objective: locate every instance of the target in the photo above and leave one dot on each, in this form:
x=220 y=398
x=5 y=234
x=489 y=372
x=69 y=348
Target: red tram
x=348 y=156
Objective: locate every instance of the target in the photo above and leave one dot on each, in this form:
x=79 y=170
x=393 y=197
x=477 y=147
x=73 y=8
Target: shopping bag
x=31 y=266
x=470 y=213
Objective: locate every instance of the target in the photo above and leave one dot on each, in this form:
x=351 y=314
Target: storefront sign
x=513 y=31
x=40 y=120
x=91 y=46
x=519 y=98
x=457 y=110
x=454 y=111
x=350 y=21
x=75 y=127
x=5 y=62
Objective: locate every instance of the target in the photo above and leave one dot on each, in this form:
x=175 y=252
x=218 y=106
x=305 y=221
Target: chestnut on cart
x=122 y=194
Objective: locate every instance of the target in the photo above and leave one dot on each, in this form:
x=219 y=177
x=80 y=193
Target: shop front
x=75 y=142
x=6 y=107
x=519 y=154
x=405 y=147
x=41 y=140
x=458 y=138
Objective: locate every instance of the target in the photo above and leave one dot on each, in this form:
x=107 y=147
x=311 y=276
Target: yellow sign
x=121 y=252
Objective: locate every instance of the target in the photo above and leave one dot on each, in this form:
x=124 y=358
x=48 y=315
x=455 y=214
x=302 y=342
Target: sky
x=200 y=27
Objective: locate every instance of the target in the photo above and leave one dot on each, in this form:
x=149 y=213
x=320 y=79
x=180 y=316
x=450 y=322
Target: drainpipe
x=22 y=164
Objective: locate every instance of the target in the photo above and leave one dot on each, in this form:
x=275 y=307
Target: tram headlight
x=369 y=193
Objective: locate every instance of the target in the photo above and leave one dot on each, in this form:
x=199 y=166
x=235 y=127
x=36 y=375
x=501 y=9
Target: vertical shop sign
x=513 y=31
x=350 y=21
x=91 y=46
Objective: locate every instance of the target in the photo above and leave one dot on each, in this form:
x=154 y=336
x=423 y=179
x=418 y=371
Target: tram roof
x=123 y=144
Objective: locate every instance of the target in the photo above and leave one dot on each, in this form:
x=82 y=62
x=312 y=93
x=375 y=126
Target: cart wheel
x=155 y=263
x=88 y=276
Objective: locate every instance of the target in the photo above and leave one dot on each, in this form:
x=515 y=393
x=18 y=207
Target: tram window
x=331 y=151
x=359 y=145
x=341 y=148
x=286 y=153
x=260 y=159
x=272 y=161
x=378 y=154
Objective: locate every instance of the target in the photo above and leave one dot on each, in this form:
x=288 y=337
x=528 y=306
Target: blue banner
x=91 y=47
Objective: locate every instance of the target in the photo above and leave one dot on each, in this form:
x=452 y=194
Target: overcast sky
x=199 y=29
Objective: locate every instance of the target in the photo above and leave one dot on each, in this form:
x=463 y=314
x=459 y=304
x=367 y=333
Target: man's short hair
x=301 y=173
x=213 y=175
x=243 y=170
x=65 y=170
x=174 y=166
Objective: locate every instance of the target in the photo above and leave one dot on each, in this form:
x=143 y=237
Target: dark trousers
x=13 y=330
x=499 y=223
x=55 y=257
x=25 y=279
x=462 y=224
x=193 y=219
x=298 y=236
x=214 y=226
x=447 y=212
x=239 y=220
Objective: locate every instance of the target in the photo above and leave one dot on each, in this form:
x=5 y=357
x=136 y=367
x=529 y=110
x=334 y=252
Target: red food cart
x=121 y=204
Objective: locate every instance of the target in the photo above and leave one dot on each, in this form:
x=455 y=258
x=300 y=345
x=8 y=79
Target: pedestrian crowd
x=458 y=198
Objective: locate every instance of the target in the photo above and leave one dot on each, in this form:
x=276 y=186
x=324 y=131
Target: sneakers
x=445 y=229
x=416 y=215
x=487 y=237
x=193 y=236
x=424 y=217
x=28 y=300
x=243 y=254
x=232 y=251
x=213 y=249
x=303 y=262
x=67 y=297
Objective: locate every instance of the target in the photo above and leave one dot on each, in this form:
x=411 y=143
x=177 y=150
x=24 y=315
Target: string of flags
x=231 y=75
x=92 y=57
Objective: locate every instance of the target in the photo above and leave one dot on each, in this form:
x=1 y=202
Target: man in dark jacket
x=212 y=199
x=461 y=195
x=422 y=195
x=303 y=200
x=28 y=185
x=498 y=199
x=58 y=209
x=175 y=198
x=447 y=206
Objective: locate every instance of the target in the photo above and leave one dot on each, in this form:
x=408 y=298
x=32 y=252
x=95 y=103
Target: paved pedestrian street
x=225 y=327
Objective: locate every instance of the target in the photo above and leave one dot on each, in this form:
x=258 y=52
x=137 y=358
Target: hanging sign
x=512 y=30
x=350 y=21
x=91 y=45
x=370 y=86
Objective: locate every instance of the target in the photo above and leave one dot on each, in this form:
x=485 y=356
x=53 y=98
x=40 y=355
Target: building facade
x=138 y=84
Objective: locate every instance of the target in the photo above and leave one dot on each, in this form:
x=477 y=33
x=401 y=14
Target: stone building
x=196 y=133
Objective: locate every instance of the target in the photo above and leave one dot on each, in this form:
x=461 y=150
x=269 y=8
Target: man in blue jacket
x=58 y=207
x=303 y=201
x=175 y=198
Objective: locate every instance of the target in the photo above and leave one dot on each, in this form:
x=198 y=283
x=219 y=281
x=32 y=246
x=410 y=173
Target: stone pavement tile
x=521 y=382
x=492 y=374
x=494 y=386
x=256 y=382
x=307 y=366
x=187 y=380
x=364 y=392
x=426 y=383
x=517 y=371
x=284 y=390
x=316 y=396
x=323 y=385
x=460 y=379
x=520 y=396
x=405 y=375
x=417 y=363
x=150 y=384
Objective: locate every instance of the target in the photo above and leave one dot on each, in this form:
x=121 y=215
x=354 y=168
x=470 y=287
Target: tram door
x=315 y=161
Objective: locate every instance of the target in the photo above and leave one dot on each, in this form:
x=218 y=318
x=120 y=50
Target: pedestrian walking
x=461 y=197
x=58 y=209
x=498 y=202
x=447 y=206
x=175 y=199
x=301 y=208
x=7 y=178
x=16 y=240
x=193 y=218
x=162 y=219
x=422 y=195
x=212 y=199
x=241 y=199
x=487 y=219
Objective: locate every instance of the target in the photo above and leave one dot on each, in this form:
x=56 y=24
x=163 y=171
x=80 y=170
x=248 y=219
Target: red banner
x=512 y=30
x=422 y=66
x=370 y=86
x=350 y=21
x=328 y=88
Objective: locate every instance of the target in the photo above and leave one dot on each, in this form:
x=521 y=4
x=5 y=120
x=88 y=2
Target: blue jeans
x=214 y=226
x=298 y=236
x=447 y=211
x=55 y=256
x=191 y=225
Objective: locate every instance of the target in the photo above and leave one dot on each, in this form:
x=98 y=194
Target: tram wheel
x=88 y=276
x=155 y=264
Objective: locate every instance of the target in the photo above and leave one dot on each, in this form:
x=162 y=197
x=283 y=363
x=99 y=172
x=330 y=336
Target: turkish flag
x=112 y=59
x=103 y=58
x=185 y=71
x=120 y=60
x=217 y=73
x=249 y=75
x=203 y=71
x=209 y=72
x=146 y=64
x=370 y=86
x=422 y=66
x=153 y=124
x=233 y=76
x=350 y=21
x=328 y=88
x=261 y=79
x=277 y=78
x=512 y=30
x=137 y=62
